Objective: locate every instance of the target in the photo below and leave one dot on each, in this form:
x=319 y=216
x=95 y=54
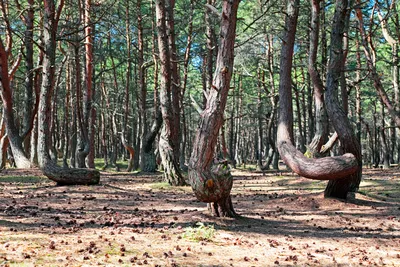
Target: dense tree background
x=105 y=96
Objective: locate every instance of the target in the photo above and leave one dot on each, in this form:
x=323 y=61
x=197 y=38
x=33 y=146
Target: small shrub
x=200 y=233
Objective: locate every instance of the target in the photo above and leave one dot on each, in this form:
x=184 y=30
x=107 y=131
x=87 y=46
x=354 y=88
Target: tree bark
x=212 y=181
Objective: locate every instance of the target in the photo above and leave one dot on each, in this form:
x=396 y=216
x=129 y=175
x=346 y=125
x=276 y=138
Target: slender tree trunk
x=238 y=133
x=89 y=110
x=260 y=144
x=211 y=44
x=321 y=118
x=149 y=157
x=184 y=133
x=142 y=88
x=28 y=117
x=383 y=139
x=212 y=181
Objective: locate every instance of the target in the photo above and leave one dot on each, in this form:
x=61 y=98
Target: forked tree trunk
x=332 y=168
x=50 y=169
x=211 y=181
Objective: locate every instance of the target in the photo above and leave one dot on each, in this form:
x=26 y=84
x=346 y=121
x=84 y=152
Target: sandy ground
x=132 y=220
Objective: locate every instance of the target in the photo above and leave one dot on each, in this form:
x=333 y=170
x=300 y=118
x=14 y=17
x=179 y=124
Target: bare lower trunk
x=172 y=173
x=222 y=208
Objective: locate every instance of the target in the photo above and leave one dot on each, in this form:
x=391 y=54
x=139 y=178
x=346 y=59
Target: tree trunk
x=29 y=114
x=338 y=117
x=50 y=169
x=321 y=118
x=320 y=168
x=184 y=134
x=168 y=145
x=21 y=160
x=383 y=138
x=141 y=87
x=212 y=181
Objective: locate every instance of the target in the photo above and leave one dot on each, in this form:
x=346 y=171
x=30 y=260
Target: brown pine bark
x=210 y=180
x=332 y=168
x=50 y=169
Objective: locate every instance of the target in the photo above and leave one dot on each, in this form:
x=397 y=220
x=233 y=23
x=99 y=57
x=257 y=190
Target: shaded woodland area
x=120 y=119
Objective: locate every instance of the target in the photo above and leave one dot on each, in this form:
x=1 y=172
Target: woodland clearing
x=135 y=219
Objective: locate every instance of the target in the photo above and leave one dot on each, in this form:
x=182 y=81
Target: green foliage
x=200 y=233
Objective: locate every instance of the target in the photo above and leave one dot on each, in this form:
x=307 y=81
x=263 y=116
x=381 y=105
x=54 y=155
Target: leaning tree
x=210 y=180
x=6 y=76
x=343 y=172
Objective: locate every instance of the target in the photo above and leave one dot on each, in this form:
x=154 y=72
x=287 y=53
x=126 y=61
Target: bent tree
x=344 y=172
x=212 y=182
x=6 y=75
x=62 y=176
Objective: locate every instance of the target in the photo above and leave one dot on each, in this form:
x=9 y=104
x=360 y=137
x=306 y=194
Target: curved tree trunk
x=21 y=160
x=331 y=168
x=210 y=180
x=50 y=169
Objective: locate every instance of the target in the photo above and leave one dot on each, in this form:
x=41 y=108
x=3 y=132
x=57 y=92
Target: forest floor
x=135 y=219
